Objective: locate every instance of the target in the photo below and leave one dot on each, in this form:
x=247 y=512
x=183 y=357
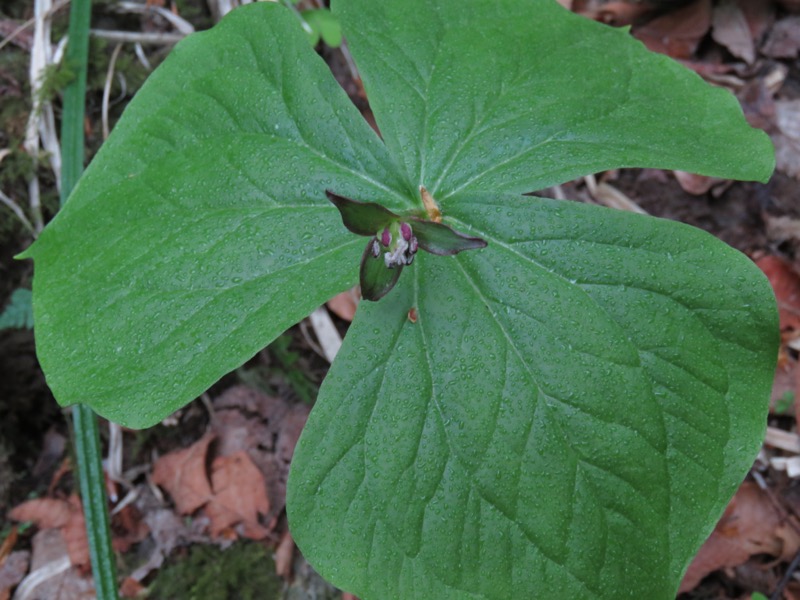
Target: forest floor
x=163 y=540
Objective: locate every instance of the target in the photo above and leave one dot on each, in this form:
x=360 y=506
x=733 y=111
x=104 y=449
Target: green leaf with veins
x=541 y=429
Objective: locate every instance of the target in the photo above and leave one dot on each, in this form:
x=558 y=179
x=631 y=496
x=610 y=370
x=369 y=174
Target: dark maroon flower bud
x=405 y=230
x=386 y=237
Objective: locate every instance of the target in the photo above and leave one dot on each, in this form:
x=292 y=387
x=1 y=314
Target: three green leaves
x=541 y=425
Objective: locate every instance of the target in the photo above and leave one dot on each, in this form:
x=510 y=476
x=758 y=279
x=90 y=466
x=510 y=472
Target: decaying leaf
x=750 y=525
x=64 y=515
x=183 y=475
x=239 y=498
x=786 y=285
x=787 y=140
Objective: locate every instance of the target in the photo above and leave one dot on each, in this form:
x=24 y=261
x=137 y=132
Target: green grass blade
x=84 y=421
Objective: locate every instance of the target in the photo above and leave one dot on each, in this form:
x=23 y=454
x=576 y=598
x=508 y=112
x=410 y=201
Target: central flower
x=393 y=237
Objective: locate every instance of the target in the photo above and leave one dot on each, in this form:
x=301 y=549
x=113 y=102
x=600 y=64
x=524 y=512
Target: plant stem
x=84 y=421
x=95 y=507
x=77 y=54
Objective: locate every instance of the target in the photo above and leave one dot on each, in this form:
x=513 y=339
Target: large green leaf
x=201 y=230
x=565 y=419
x=519 y=95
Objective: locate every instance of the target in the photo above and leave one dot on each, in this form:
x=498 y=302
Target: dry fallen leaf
x=344 y=305
x=284 y=556
x=678 y=32
x=239 y=496
x=750 y=525
x=730 y=29
x=787 y=139
x=13 y=570
x=783 y=40
x=697 y=185
x=64 y=515
x=786 y=286
x=183 y=475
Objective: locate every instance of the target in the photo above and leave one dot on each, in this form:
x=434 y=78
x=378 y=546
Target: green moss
x=245 y=571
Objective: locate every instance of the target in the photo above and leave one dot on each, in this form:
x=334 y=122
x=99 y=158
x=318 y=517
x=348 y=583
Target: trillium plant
x=543 y=399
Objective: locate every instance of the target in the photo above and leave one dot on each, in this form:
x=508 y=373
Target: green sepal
x=439 y=239
x=375 y=277
x=362 y=218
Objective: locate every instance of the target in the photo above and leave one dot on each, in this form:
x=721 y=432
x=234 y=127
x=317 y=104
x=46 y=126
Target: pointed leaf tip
x=442 y=240
x=361 y=218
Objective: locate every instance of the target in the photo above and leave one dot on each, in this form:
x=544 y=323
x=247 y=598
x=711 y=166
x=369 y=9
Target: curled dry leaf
x=183 y=475
x=786 y=285
x=699 y=185
x=344 y=305
x=240 y=496
x=678 y=32
x=12 y=571
x=730 y=29
x=787 y=139
x=64 y=515
x=750 y=525
x=784 y=39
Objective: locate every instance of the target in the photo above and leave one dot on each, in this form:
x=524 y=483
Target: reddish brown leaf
x=787 y=138
x=750 y=525
x=284 y=556
x=786 y=286
x=730 y=29
x=678 y=32
x=240 y=496
x=65 y=515
x=344 y=305
x=183 y=475
x=784 y=39
x=13 y=570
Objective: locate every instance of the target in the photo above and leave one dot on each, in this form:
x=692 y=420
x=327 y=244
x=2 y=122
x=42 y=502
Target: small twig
x=179 y=23
x=18 y=212
x=137 y=47
x=138 y=37
x=348 y=58
x=778 y=593
x=107 y=89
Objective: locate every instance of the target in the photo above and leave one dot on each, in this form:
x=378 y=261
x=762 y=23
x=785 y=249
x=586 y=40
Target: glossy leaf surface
x=547 y=441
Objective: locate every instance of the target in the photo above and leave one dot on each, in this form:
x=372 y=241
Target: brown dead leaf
x=64 y=515
x=750 y=525
x=677 y=33
x=697 y=185
x=51 y=575
x=783 y=40
x=787 y=139
x=13 y=570
x=183 y=475
x=239 y=496
x=730 y=29
x=131 y=588
x=760 y=16
x=284 y=556
x=786 y=286
x=266 y=428
x=344 y=305
x=618 y=14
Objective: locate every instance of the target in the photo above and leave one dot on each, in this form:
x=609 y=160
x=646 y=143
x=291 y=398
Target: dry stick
x=778 y=593
x=41 y=38
x=18 y=212
x=137 y=37
x=107 y=89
